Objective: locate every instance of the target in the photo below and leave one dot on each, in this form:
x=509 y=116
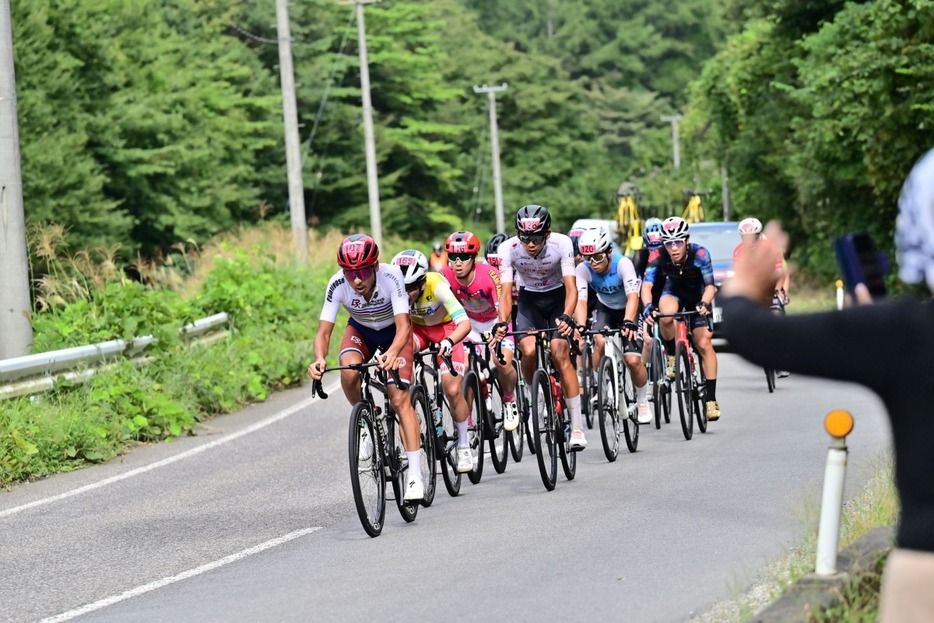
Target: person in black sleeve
x=864 y=352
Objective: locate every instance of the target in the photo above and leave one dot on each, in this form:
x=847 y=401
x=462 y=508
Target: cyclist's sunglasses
x=412 y=287
x=596 y=258
x=675 y=244
x=360 y=273
x=460 y=257
x=532 y=238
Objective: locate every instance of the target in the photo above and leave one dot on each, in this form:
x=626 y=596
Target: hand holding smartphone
x=861 y=262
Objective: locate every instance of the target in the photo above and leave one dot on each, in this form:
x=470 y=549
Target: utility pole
x=676 y=146
x=15 y=306
x=494 y=145
x=725 y=183
x=293 y=156
x=369 y=141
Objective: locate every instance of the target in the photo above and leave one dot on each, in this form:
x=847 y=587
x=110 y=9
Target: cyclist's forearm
x=646 y=293
x=403 y=333
x=580 y=314
x=709 y=293
x=461 y=331
x=505 y=303
x=632 y=307
x=570 y=295
x=323 y=339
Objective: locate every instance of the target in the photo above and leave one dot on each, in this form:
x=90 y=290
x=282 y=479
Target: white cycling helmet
x=594 y=241
x=413 y=263
x=674 y=228
x=750 y=225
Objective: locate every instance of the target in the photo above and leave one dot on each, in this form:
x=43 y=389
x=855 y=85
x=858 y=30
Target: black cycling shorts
x=539 y=310
x=613 y=318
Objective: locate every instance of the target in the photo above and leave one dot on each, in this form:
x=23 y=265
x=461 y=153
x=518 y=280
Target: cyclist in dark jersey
x=689 y=285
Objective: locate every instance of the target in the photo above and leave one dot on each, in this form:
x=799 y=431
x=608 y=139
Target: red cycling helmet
x=357 y=251
x=462 y=242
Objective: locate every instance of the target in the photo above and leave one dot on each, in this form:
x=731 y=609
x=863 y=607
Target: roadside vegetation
x=87 y=298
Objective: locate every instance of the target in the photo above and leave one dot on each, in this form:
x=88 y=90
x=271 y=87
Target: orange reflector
x=839 y=283
x=838 y=423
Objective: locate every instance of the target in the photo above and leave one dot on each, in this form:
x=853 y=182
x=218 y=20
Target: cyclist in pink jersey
x=477 y=286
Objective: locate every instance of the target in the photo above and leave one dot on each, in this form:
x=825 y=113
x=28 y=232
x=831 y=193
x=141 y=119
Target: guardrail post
x=840 y=294
x=838 y=423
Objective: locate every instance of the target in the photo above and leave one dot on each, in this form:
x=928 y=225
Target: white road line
x=172 y=459
x=145 y=588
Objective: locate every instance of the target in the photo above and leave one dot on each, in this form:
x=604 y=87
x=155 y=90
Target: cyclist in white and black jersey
x=374 y=296
x=548 y=298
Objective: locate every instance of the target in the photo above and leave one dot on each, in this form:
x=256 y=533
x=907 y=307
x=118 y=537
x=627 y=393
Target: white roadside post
x=840 y=294
x=838 y=423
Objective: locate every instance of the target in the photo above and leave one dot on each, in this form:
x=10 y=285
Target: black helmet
x=533 y=219
x=492 y=247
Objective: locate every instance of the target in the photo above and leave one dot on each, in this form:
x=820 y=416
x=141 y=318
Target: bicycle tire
x=608 y=413
x=476 y=424
x=568 y=456
x=408 y=510
x=426 y=428
x=543 y=425
x=770 y=379
x=658 y=374
x=448 y=443
x=587 y=384
x=683 y=388
x=517 y=437
x=497 y=437
x=700 y=393
x=630 y=414
x=372 y=513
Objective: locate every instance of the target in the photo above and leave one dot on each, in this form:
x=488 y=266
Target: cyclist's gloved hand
x=630 y=328
x=649 y=311
x=446 y=347
x=704 y=308
x=568 y=324
x=499 y=330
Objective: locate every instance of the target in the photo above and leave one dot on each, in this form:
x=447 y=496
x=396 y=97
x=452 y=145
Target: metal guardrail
x=35 y=373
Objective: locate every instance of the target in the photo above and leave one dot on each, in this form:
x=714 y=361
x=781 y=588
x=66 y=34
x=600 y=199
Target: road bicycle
x=482 y=380
x=588 y=379
x=375 y=449
x=690 y=383
x=551 y=423
x=446 y=437
x=616 y=396
x=777 y=307
x=694 y=211
x=658 y=378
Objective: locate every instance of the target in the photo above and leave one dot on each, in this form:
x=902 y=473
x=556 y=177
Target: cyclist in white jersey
x=374 y=296
x=548 y=298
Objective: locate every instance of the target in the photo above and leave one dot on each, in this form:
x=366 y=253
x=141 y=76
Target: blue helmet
x=653 y=233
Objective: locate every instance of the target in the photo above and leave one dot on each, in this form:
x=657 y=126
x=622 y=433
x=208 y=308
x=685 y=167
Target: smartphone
x=861 y=262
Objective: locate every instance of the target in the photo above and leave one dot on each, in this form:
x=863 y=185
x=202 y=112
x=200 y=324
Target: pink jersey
x=480 y=297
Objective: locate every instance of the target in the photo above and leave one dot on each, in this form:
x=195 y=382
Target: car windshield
x=719 y=241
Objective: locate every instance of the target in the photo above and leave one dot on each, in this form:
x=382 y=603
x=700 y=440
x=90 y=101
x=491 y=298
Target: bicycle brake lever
x=450 y=364
x=395 y=377
x=500 y=357
x=316 y=388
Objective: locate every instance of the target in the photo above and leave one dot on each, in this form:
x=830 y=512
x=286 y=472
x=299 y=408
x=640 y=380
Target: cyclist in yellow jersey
x=439 y=318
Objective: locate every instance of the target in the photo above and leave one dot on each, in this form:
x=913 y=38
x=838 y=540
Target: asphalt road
x=253 y=520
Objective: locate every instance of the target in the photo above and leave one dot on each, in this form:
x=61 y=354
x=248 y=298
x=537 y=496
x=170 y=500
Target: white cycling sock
x=574 y=408
x=415 y=465
x=640 y=393
x=462 y=440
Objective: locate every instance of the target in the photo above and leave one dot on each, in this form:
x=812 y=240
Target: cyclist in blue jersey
x=612 y=277
x=689 y=285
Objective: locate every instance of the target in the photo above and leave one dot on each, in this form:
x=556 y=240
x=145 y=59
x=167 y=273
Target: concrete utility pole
x=725 y=183
x=293 y=156
x=372 y=179
x=15 y=306
x=676 y=146
x=494 y=145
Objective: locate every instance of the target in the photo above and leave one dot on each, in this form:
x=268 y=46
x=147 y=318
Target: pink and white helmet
x=674 y=228
x=594 y=241
x=750 y=225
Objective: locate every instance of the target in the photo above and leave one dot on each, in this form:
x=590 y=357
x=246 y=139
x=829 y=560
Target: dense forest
x=145 y=123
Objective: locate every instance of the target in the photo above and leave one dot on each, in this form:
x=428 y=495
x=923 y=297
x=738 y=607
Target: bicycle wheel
x=543 y=429
x=498 y=438
x=426 y=434
x=517 y=437
x=587 y=384
x=699 y=392
x=475 y=424
x=658 y=378
x=447 y=442
x=399 y=469
x=628 y=409
x=770 y=379
x=683 y=388
x=568 y=456
x=608 y=414
x=367 y=476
